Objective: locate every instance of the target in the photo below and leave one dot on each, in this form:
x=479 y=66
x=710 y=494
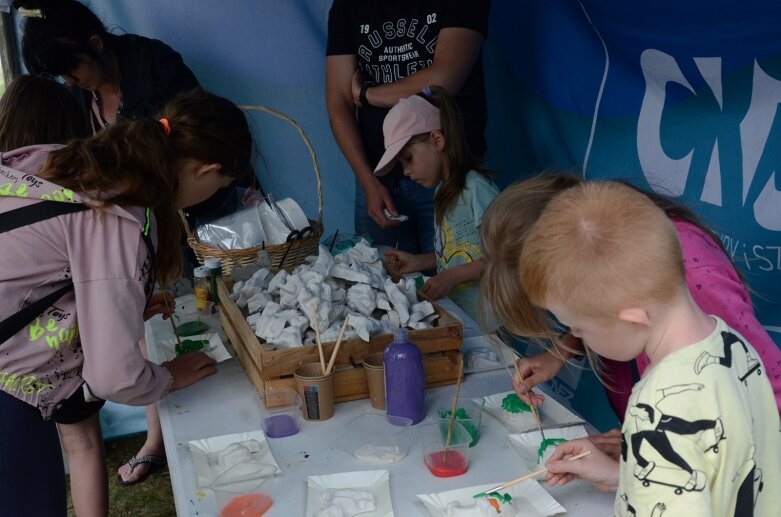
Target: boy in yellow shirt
x=701 y=434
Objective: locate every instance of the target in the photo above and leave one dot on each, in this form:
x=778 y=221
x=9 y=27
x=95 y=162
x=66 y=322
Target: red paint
x=249 y=505
x=445 y=464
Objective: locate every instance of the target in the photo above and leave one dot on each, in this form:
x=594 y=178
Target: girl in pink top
x=710 y=275
x=132 y=178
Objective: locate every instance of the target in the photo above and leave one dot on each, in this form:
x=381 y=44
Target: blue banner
x=678 y=97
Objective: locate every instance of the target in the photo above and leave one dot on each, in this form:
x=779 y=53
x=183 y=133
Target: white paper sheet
x=201 y=448
x=551 y=413
x=528 y=496
x=375 y=481
x=216 y=349
x=527 y=444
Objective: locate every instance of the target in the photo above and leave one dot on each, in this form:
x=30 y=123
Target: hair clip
x=426 y=91
x=30 y=13
x=166 y=126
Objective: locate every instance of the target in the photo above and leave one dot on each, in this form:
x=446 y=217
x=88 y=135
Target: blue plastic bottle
x=405 y=381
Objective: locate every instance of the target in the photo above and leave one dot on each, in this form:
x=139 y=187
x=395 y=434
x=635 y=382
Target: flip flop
x=155 y=463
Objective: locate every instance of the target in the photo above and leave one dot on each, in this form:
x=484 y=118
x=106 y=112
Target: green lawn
x=152 y=498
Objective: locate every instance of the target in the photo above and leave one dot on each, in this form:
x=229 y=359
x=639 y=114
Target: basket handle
x=309 y=147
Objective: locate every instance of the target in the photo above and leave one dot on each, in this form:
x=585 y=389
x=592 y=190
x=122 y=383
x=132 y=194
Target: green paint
x=191 y=345
x=502 y=498
x=466 y=421
x=548 y=442
x=191 y=328
x=513 y=404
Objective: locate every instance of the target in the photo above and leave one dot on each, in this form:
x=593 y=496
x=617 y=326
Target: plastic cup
x=316 y=391
x=374 y=367
x=283 y=412
x=443 y=458
x=241 y=499
x=469 y=413
x=206 y=310
x=377 y=438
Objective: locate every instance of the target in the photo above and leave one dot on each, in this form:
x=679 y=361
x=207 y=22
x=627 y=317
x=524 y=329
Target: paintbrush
x=530 y=475
x=453 y=408
x=171 y=316
x=317 y=337
x=336 y=348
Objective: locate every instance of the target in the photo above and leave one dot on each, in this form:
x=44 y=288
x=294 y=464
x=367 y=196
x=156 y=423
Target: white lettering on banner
x=669 y=175
x=753 y=257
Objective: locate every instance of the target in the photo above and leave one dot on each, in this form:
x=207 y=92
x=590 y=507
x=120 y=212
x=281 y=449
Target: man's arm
x=339 y=70
x=457 y=51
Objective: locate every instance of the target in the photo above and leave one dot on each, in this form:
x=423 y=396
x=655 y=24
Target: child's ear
x=206 y=168
x=97 y=42
x=438 y=138
x=635 y=315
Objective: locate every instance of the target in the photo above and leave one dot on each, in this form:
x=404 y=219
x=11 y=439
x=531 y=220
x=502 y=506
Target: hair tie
x=30 y=13
x=166 y=126
x=426 y=91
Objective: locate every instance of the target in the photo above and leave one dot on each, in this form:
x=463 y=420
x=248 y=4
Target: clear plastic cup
x=243 y=498
x=378 y=438
x=469 y=413
x=443 y=457
x=283 y=412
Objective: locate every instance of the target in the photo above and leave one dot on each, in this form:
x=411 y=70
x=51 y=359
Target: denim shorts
x=415 y=235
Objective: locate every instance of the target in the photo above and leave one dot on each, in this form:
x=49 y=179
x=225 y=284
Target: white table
x=227 y=403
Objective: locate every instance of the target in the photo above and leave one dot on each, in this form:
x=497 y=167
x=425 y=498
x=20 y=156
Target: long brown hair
x=506 y=224
x=136 y=163
x=37 y=110
x=460 y=159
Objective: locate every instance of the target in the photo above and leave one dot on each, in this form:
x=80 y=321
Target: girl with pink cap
x=425 y=135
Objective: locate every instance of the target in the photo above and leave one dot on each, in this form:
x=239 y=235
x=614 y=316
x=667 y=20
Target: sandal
x=155 y=463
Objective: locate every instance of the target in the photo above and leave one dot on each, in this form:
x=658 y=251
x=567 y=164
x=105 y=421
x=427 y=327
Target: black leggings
x=31 y=469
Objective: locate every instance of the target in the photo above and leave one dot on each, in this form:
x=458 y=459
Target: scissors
x=297 y=235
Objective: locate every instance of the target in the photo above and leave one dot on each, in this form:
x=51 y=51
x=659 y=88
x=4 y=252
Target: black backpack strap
x=27 y=215
x=18 y=218
x=14 y=323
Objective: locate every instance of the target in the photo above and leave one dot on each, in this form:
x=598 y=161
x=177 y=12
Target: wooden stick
x=317 y=336
x=453 y=408
x=530 y=475
x=336 y=348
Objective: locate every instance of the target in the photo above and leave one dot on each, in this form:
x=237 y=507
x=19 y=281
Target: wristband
x=362 y=96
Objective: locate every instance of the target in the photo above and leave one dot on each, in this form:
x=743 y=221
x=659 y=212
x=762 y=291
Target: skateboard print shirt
x=701 y=435
x=457 y=240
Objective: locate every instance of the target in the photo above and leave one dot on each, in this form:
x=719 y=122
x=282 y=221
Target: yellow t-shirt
x=701 y=435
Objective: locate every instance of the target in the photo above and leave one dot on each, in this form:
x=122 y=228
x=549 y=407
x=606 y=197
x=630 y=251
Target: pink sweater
x=92 y=333
x=715 y=286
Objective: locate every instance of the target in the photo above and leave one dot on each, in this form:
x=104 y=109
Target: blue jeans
x=416 y=202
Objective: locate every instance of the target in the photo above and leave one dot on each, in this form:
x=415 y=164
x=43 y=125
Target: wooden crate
x=267 y=366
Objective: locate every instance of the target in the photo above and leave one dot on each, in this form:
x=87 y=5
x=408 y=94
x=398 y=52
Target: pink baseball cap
x=409 y=117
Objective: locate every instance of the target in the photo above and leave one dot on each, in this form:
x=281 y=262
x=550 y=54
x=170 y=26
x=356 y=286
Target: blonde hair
x=506 y=224
x=600 y=247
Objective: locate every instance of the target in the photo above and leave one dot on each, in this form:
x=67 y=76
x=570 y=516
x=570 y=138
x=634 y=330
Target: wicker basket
x=283 y=256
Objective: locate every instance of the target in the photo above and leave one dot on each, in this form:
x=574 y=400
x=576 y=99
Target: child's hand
x=440 y=285
x=532 y=371
x=190 y=368
x=160 y=303
x=609 y=443
x=401 y=262
x=597 y=467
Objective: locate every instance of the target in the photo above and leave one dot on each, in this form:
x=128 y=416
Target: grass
x=152 y=498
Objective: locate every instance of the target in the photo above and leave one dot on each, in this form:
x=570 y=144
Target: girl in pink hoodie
x=99 y=263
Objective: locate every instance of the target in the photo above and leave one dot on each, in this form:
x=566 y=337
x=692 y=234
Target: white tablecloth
x=227 y=403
